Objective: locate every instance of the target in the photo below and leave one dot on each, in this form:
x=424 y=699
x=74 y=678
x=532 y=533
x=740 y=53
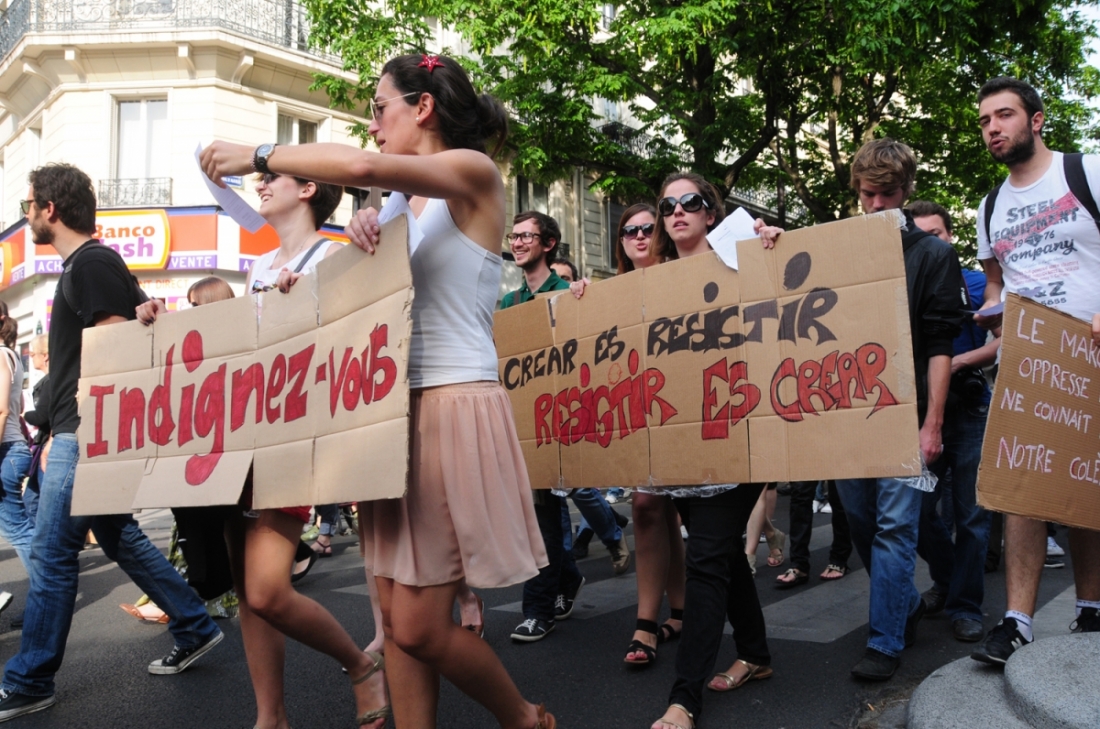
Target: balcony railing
x=134 y=192
x=279 y=22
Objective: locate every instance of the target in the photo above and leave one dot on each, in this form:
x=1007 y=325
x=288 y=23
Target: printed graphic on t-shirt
x=1032 y=246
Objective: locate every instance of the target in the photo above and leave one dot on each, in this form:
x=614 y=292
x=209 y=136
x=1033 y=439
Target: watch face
x=264 y=150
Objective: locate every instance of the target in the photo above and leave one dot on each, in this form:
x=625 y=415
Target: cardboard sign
x=1041 y=455
x=308 y=389
x=799 y=367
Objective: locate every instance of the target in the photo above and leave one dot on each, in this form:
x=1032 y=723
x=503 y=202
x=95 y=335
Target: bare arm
x=468 y=180
x=939 y=379
x=994 y=285
x=5 y=391
x=983 y=356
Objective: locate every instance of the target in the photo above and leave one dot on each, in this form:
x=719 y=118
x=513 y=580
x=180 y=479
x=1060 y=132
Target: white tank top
x=12 y=431
x=456 y=283
x=263 y=275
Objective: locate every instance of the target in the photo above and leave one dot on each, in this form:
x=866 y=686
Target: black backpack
x=67 y=284
x=1078 y=184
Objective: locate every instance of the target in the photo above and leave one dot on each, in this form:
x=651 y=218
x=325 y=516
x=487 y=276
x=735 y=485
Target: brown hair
x=467 y=120
x=625 y=264
x=663 y=249
x=9 y=328
x=322 y=203
x=926 y=209
x=885 y=163
x=208 y=290
x=71 y=192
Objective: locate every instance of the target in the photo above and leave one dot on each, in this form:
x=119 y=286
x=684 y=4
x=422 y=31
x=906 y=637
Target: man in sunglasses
x=95 y=289
x=550 y=595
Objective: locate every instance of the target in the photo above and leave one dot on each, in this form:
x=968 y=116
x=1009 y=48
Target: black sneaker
x=911 y=623
x=13 y=704
x=620 y=556
x=17 y=620
x=532 y=630
x=580 y=543
x=1054 y=562
x=563 y=605
x=621 y=519
x=875 y=666
x=933 y=600
x=1087 y=622
x=1000 y=644
x=180 y=658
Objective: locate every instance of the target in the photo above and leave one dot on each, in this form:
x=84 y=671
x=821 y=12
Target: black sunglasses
x=629 y=231
x=691 y=202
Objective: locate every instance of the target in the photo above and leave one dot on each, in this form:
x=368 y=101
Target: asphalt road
x=816 y=633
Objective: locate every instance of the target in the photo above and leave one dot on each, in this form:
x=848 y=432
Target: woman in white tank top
x=15 y=455
x=468 y=512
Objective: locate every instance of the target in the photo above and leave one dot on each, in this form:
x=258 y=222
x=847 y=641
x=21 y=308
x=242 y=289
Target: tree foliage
x=771 y=95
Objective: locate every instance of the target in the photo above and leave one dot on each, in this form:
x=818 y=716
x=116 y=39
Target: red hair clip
x=430 y=62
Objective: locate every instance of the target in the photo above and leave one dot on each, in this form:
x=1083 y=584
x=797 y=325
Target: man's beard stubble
x=1020 y=149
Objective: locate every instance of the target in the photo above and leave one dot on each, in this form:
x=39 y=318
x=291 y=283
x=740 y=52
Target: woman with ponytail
x=468 y=512
x=15 y=453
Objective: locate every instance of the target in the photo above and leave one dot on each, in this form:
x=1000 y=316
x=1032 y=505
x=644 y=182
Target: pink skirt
x=468 y=510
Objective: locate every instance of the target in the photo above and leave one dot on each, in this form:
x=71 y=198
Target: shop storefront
x=167 y=249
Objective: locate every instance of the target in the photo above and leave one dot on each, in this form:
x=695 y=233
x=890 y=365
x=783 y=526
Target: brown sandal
x=754 y=673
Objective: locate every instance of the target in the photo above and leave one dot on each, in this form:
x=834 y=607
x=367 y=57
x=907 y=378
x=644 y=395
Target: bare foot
x=370 y=694
x=674 y=718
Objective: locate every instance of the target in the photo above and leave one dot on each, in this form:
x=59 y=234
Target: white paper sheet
x=232 y=203
x=398 y=204
x=723 y=239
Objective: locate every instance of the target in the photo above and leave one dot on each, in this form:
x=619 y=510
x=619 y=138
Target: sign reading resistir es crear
x=797 y=367
x=1041 y=455
x=309 y=390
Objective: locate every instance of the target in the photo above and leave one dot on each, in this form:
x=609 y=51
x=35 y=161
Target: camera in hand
x=969 y=384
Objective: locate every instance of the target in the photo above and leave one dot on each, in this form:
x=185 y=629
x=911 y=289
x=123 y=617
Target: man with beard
x=1046 y=194
x=95 y=289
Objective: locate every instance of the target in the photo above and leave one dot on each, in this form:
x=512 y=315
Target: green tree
x=753 y=94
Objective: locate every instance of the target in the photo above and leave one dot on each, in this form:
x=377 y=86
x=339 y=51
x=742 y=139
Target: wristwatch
x=260 y=157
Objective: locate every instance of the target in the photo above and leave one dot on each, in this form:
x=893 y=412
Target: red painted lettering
x=131 y=419
x=98 y=447
x=295 y=404
x=161 y=424
x=276 y=380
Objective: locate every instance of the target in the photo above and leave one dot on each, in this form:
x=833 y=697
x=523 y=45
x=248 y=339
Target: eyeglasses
x=629 y=231
x=526 y=236
x=692 y=202
x=268 y=177
x=377 y=107
x=25 y=206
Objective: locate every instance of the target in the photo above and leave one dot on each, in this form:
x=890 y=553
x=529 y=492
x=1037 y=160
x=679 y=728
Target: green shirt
x=523 y=294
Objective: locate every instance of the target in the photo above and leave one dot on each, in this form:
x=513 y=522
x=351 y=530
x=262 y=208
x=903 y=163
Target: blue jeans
x=596 y=515
x=883 y=514
x=958 y=569
x=15 y=525
x=58 y=539
x=30 y=495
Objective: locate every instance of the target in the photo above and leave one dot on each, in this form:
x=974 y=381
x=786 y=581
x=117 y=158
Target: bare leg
x=269 y=545
x=423 y=642
x=377 y=643
x=469 y=609
x=1084 y=546
x=758 y=523
x=1025 y=552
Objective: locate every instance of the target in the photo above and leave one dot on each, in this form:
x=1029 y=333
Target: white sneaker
x=827 y=509
x=1053 y=550
x=5 y=600
x=684 y=532
x=819 y=505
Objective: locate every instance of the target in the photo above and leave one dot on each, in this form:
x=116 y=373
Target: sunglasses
x=25 y=206
x=377 y=107
x=629 y=231
x=692 y=202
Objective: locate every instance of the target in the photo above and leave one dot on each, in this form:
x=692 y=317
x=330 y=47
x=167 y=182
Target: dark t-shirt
x=100 y=285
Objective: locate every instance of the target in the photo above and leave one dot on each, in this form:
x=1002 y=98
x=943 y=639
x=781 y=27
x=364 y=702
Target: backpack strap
x=1074 y=165
x=309 y=254
x=990 y=202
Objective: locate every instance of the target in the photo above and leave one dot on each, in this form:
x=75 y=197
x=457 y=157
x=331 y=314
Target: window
x=293 y=130
x=531 y=196
x=614 y=215
x=607 y=15
x=143 y=139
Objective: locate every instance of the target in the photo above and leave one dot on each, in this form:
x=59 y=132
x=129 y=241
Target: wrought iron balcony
x=132 y=193
x=278 y=22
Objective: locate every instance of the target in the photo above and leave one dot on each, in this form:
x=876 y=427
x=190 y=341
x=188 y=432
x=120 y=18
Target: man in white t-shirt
x=1042 y=243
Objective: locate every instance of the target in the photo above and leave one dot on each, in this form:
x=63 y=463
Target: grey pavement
x=817 y=632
